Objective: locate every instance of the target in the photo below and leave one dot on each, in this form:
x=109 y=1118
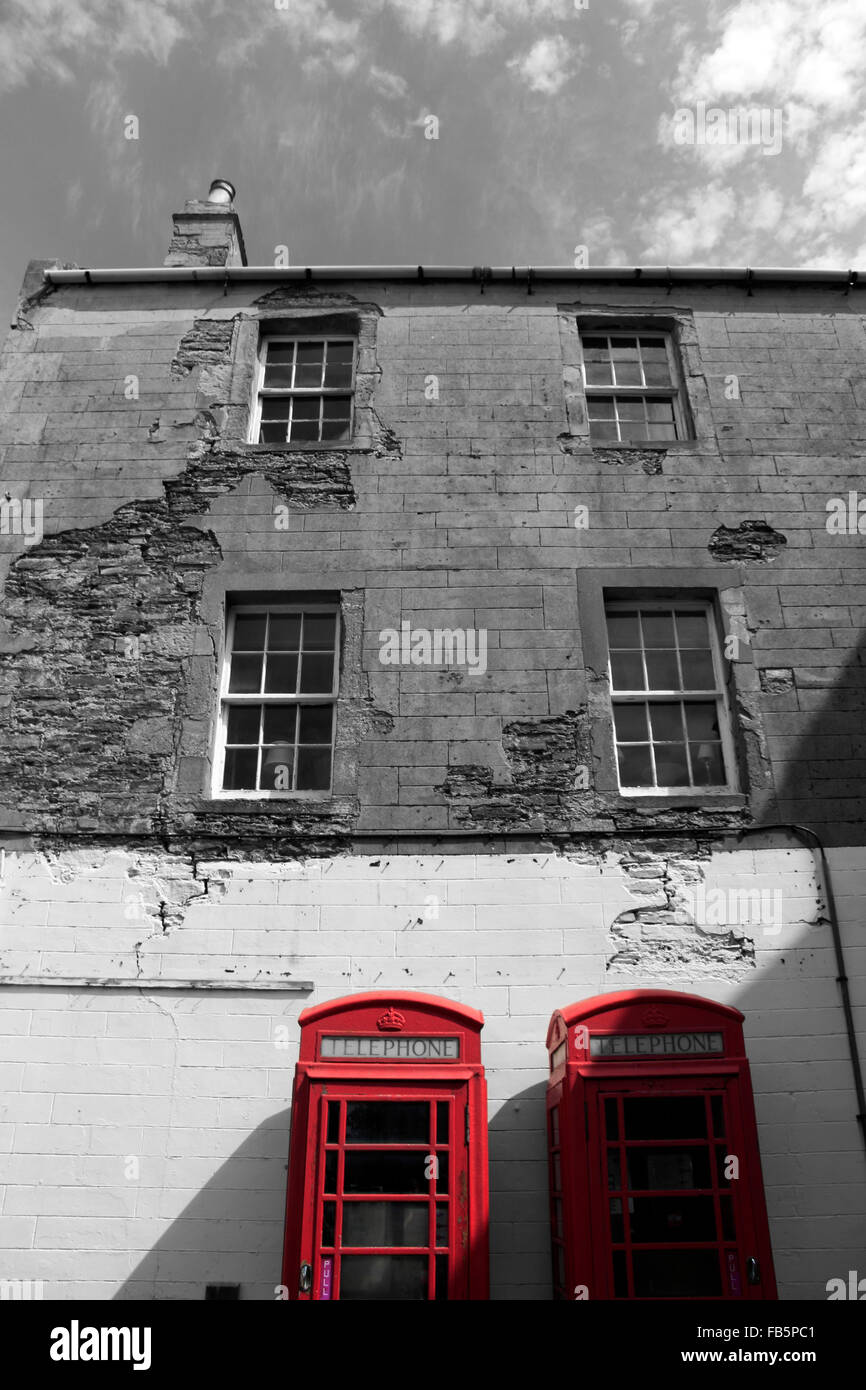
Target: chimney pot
x=221 y=192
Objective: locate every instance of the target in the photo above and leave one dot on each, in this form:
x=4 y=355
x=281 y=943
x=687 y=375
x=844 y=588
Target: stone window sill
x=349 y=447
x=680 y=801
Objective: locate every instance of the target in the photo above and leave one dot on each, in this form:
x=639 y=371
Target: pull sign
x=326 y=1281
x=734 y=1282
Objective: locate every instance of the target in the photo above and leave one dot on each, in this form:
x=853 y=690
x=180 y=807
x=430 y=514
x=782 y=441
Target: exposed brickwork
x=543 y=757
x=752 y=542
x=208 y=341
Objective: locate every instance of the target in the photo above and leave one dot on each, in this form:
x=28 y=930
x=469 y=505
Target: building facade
x=494 y=635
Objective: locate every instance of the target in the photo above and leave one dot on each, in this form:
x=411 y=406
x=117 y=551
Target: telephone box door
x=671 y=1217
x=389 y=1206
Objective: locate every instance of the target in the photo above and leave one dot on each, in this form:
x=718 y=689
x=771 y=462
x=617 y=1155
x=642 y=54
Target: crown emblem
x=654 y=1017
x=390 y=1021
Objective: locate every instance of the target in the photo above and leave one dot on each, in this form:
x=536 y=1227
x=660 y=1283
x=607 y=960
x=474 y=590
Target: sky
x=490 y=132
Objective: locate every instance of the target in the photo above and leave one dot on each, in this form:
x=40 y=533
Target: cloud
x=325 y=42
x=835 y=187
x=782 y=50
x=691 y=229
x=477 y=25
x=43 y=38
x=799 y=59
x=547 y=66
x=122 y=161
x=388 y=84
x=74 y=195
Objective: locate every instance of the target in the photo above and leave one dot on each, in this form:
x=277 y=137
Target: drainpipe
x=813 y=842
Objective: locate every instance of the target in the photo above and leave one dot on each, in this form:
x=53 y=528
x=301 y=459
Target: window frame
x=227 y=699
x=262 y=392
x=675 y=392
x=685 y=603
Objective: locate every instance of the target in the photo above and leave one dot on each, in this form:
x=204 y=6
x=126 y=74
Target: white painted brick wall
x=193 y=1087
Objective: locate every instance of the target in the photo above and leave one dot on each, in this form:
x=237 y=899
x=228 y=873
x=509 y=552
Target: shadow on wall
x=823 y=784
x=520 y=1257
x=230 y=1233
x=811 y=1144
x=232 y=1230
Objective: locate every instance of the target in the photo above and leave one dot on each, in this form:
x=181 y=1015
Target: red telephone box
x=387 y=1194
x=655 y=1174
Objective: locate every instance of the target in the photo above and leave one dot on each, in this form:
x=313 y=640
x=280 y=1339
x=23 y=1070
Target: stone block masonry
x=443 y=508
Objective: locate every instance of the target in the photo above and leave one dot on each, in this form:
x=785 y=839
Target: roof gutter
x=653 y=274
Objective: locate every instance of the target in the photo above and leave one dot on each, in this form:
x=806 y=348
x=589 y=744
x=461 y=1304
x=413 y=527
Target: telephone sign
x=439 y=1049
x=655 y=1044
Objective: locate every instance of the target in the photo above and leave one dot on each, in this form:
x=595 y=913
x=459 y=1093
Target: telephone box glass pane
x=676 y=1274
x=387 y=1122
x=668 y=1168
x=385 y=1223
x=386 y=1171
x=378 y=1277
x=721 y=1165
x=329 y=1222
x=672 y=1219
x=718 y=1105
x=331 y=1172
x=665 y=1117
x=441 y=1225
x=442 y=1122
x=334 y=1122
x=611 y=1119
x=617 y=1231
x=614 y=1176
x=441 y=1278
x=442 y=1179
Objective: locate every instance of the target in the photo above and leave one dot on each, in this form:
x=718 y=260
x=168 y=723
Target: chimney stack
x=208 y=233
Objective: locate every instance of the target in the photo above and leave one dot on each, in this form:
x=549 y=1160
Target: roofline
x=652 y=274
